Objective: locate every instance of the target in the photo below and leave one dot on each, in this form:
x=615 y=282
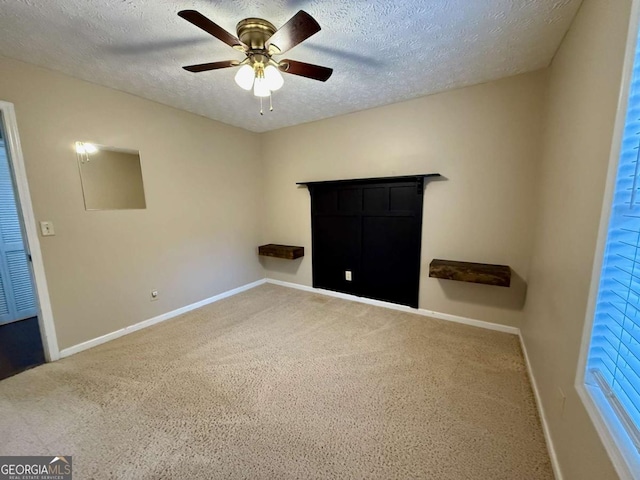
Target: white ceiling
x=381 y=51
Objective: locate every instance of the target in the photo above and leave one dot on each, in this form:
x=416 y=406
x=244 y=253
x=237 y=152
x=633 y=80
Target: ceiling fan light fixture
x=273 y=77
x=260 y=40
x=261 y=87
x=245 y=77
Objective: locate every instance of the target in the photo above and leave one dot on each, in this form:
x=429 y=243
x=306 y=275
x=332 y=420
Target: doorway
x=27 y=337
x=20 y=339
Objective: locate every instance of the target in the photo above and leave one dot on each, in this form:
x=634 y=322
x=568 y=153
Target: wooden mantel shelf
x=498 y=275
x=288 y=252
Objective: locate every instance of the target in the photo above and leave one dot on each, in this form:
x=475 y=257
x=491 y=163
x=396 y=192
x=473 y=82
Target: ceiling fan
x=259 y=40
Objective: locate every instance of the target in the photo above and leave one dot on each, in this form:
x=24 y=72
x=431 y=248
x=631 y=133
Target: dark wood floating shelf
x=288 y=252
x=498 y=275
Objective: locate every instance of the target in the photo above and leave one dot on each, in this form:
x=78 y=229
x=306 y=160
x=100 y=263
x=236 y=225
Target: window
x=613 y=364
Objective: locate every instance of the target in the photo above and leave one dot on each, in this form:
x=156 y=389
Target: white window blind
x=614 y=356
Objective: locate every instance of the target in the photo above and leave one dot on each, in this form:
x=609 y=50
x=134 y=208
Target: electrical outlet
x=154 y=295
x=347 y=275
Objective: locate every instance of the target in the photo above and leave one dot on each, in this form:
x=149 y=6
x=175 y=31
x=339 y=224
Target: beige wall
x=583 y=92
x=483 y=139
x=197 y=236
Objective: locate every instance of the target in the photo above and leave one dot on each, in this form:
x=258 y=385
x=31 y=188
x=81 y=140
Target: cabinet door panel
x=372 y=229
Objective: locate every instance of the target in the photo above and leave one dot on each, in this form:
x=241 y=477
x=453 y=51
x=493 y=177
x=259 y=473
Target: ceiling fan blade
x=204 y=67
x=299 y=27
x=208 y=26
x=315 y=72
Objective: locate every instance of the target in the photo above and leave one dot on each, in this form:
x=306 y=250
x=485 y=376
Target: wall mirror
x=111 y=177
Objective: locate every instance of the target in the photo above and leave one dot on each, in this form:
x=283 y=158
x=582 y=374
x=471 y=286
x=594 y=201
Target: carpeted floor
x=276 y=383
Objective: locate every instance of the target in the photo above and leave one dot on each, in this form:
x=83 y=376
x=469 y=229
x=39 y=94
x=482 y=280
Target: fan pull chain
x=270 y=104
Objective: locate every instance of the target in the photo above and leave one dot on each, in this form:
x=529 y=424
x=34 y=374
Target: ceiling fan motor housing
x=254 y=33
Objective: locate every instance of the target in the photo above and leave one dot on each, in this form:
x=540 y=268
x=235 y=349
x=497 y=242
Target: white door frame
x=32 y=241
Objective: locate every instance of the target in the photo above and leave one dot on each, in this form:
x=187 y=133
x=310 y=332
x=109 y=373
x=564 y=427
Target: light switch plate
x=347 y=275
x=46 y=228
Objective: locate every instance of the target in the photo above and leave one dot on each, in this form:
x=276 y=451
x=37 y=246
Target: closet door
x=370 y=231
x=16 y=289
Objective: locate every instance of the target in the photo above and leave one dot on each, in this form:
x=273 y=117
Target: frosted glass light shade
x=85 y=148
x=245 y=76
x=260 y=88
x=273 y=77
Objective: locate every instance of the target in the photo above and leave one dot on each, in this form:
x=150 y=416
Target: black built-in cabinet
x=373 y=229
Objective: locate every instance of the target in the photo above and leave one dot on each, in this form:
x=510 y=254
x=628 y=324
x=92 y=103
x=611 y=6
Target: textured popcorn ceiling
x=381 y=51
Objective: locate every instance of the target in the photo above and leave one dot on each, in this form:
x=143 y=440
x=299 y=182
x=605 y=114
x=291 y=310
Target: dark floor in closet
x=20 y=347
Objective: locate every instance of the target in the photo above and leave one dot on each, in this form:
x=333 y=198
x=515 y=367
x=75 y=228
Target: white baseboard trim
x=402 y=308
x=543 y=418
x=152 y=321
